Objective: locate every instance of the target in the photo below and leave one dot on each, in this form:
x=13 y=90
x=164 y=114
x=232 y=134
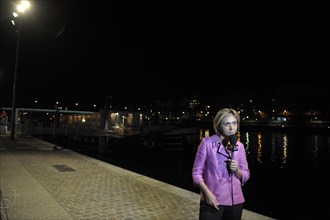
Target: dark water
x=288 y=174
x=289 y=169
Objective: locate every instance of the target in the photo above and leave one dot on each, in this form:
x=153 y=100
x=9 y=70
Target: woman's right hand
x=211 y=200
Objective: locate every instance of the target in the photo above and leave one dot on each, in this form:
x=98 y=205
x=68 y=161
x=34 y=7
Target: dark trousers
x=207 y=212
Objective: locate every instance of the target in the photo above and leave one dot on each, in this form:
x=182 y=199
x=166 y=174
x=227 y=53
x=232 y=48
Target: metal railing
x=71 y=130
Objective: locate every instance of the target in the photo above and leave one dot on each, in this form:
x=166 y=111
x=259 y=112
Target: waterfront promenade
x=38 y=182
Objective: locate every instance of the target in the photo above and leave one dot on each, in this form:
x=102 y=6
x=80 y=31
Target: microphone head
x=233 y=139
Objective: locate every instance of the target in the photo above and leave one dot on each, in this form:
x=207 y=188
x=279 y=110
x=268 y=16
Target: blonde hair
x=223 y=113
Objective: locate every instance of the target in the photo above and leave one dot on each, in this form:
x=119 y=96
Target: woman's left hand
x=233 y=166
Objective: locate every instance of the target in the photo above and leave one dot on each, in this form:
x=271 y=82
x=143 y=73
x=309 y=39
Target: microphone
x=232 y=144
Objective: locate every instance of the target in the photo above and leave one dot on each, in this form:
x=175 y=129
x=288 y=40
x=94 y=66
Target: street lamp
x=21 y=8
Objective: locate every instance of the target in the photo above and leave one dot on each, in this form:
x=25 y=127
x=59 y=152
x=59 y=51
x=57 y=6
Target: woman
x=221 y=169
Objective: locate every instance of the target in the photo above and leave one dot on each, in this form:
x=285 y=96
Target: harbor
x=278 y=154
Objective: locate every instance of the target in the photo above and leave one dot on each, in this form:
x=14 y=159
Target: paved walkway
x=37 y=182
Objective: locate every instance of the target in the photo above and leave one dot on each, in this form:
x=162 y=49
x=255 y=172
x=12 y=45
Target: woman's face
x=229 y=125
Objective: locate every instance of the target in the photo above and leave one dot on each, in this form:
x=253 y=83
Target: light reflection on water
x=279 y=162
x=259 y=148
x=283 y=149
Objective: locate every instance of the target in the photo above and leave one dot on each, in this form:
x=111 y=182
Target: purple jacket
x=210 y=167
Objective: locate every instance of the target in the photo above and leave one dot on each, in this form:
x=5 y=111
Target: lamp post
x=21 y=8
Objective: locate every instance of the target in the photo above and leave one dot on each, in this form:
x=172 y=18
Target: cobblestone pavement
x=38 y=182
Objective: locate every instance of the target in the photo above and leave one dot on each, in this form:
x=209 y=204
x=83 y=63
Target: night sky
x=138 y=51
